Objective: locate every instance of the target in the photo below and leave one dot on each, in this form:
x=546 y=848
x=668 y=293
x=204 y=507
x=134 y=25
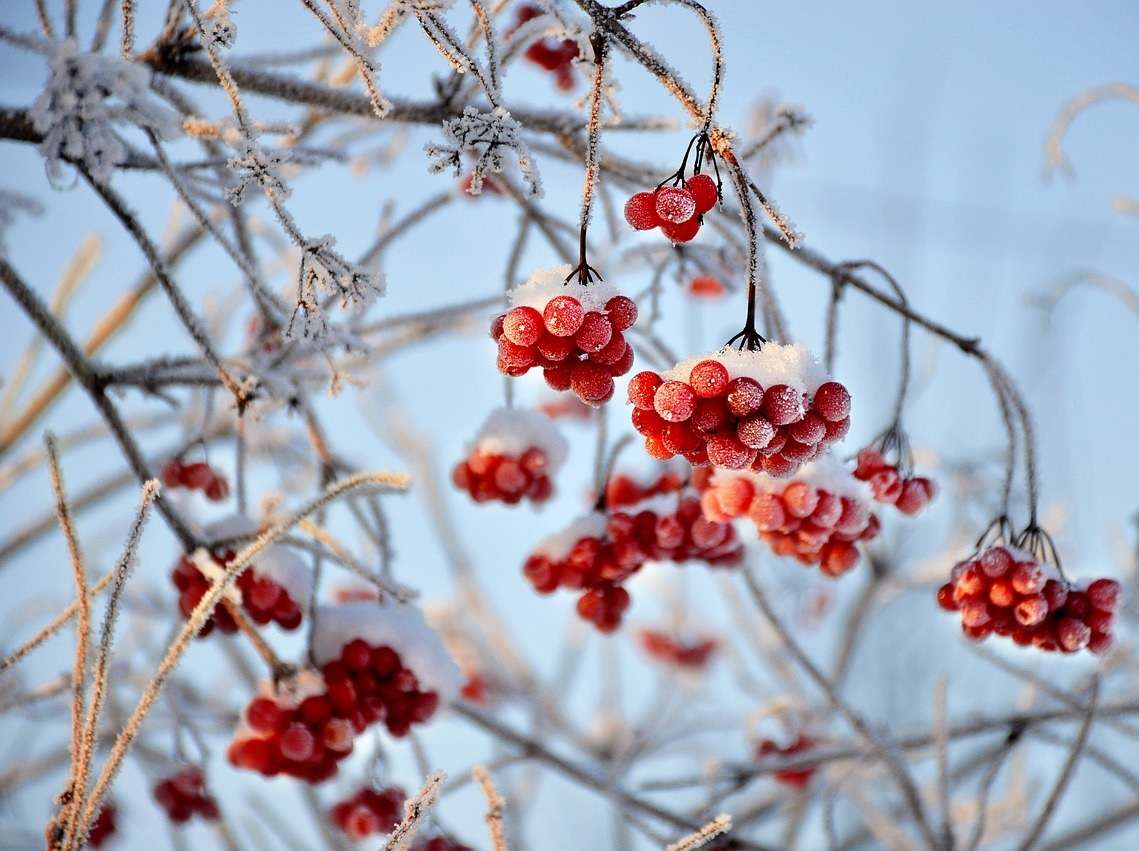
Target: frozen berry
x=674 y=401
x=675 y=204
x=704 y=193
x=563 y=316
x=641 y=211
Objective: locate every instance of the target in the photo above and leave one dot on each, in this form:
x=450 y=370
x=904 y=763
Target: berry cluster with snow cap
x=891 y=485
x=198 y=476
x=677 y=210
x=379 y=663
x=1009 y=592
x=676 y=652
x=573 y=331
x=513 y=457
x=269 y=590
x=600 y=551
x=770 y=410
x=550 y=54
x=184 y=795
x=369 y=811
x=816 y=518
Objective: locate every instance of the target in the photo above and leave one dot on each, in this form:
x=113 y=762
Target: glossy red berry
x=704 y=192
x=641 y=211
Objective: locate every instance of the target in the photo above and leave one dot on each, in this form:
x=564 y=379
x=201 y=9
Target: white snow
x=558 y=545
x=511 y=431
x=544 y=284
x=400 y=626
x=791 y=364
x=86 y=97
x=826 y=473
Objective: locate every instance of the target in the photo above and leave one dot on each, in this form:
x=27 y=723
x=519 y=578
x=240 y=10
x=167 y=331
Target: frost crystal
x=324 y=272
x=86 y=96
x=484 y=136
x=255 y=165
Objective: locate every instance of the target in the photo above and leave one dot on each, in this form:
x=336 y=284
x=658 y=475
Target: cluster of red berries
x=512 y=458
x=797 y=518
x=708 y=416
x=184 y=795
x=600 y=551
x=623 y=489
x=796 y=777
x=676 y=210
x=690 y=655
x=489 y=477
x=104 y=827
x=1008 y=592
x=439 y=843
x=196 y=476
x=307 y=736
x=550 y=54
x=262 y=599
x=909 y=494
x=577 y=349
x=369 y=811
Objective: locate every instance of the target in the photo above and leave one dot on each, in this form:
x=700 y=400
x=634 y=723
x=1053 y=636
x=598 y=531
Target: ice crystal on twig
x=256 y=165
x=324 y=272
x=484 y=136
x=86 y=96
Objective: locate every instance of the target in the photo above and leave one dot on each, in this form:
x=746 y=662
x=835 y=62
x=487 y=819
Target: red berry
x=832 y=401
x=683 y=232
x=296 y=743
x=995 y=562
x=1072 y=634
x=263 y=714
x=1031 y=610
x=514 y=356
x=563 y=316
x=945 y=597
x=522 y=326
x=641 y=211
x=708 y=379
x=674 y=401
x=594 y=333
x=675 y=204
x=745 y=396
x=591 y=382
x=1027 y=578
x=1104 y=594
x=557 y=377
x=727 y=451
x=703 y=189
x=782 y=404
x=755 y=431
x=622 y=312
x=809 y=430
x=642 y=389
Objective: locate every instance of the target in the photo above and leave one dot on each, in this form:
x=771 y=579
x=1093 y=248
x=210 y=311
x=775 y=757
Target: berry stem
x=584 y=271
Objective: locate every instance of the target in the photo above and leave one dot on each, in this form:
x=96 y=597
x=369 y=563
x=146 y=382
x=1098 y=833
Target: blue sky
x=926 y=154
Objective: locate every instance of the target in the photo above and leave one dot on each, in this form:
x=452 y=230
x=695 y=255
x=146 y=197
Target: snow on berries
x=378 y=663
x=369 y=811
x=770 y=410
x=891 y=484
x=677 y=210
x=183 y=795
x=514 y=456
x=1011 y=593
x=270 y=590
x=676 y=652
x=195 y=476
x=598 y=552
x=572 y=330
x=817 y=517
x=797 y=778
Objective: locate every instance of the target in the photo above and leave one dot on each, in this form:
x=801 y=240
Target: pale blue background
x=926 y=155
